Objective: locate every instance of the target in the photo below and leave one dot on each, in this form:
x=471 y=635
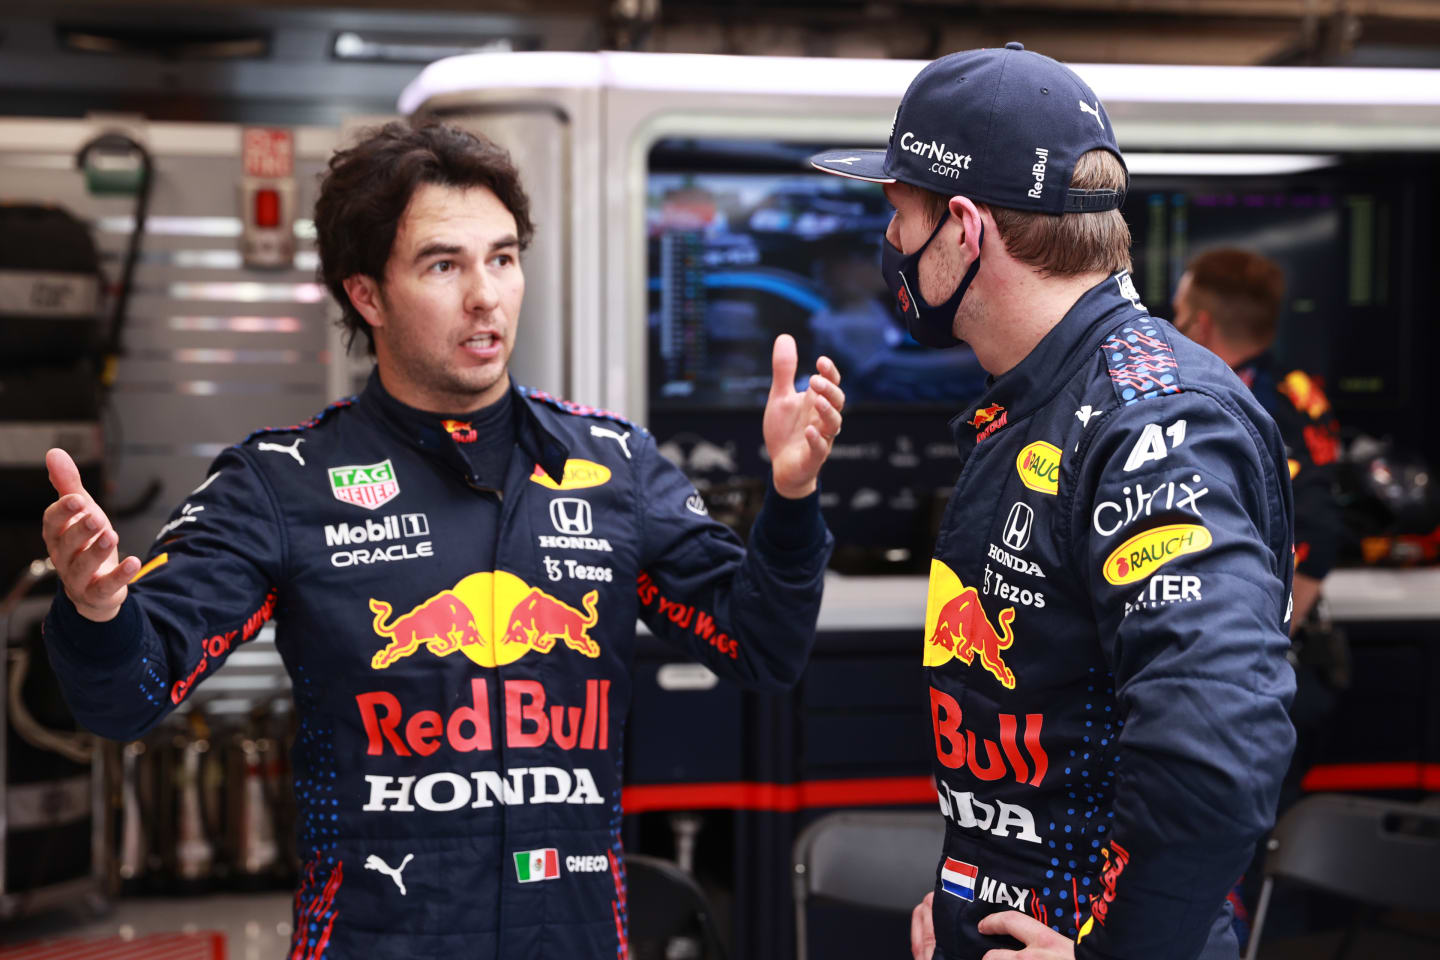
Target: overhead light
x=1226 y=164
x=421 y=48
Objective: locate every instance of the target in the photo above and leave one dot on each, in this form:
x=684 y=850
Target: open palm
x=800 y=427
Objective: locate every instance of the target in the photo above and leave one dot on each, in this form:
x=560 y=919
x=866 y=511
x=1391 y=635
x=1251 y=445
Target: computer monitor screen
x=737 y=257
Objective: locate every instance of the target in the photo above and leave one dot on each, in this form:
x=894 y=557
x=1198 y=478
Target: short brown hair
x=1242 y=290
x=1064 y=244
x=367 y=187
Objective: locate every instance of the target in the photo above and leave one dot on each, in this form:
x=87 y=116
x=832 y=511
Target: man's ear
x=1204 y=327
x=964 y=210
x=364 y=294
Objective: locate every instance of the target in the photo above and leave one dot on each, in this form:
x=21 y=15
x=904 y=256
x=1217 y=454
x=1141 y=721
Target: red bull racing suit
x=457 y=766
x=1312 y=448
x=1105 y=641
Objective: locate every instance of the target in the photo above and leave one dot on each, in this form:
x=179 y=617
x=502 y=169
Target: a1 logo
x=1151 y=445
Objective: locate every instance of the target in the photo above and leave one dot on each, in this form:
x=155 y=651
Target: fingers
x=64 y=475
x=1022 y=927
x=922 y=929
x=828 y=414
x=783 y=362
x=819 y=444
x=827 y=369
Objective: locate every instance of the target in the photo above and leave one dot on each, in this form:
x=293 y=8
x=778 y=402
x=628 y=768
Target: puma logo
x=1095 y=111
x=373 y=862
x=620 y=438
x=293 y=449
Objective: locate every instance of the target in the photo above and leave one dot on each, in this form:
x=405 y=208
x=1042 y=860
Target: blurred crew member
x=452 y=561
x=1105 y=635
x=1228 y=301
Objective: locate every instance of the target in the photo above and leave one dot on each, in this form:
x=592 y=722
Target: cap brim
x=867 y=165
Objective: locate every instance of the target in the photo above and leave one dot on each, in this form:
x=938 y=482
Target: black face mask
x=932 y=325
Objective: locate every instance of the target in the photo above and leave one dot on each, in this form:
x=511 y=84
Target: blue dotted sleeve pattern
x=1190 y=600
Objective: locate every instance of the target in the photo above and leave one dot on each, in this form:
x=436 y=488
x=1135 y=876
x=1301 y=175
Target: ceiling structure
x=1289 y=32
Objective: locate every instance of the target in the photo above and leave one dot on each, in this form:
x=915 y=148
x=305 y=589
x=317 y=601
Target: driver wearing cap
x=1110 y=589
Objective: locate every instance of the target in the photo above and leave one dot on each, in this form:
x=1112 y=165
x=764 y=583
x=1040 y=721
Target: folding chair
x=1380 y=853
x=665 y=903
x=874 y=860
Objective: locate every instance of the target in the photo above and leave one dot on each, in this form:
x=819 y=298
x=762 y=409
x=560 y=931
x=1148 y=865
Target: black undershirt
x=489 y=453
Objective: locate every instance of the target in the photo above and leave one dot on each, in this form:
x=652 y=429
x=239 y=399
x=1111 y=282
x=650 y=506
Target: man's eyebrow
x=509 y=240
x=436 y=249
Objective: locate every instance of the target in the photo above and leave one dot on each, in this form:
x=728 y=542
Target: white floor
x=257 y=925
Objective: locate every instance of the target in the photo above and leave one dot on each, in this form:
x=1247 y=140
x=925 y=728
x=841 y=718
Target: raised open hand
x=800 y=427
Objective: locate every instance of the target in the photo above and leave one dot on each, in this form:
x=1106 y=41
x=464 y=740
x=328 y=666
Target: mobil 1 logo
x=403 y=536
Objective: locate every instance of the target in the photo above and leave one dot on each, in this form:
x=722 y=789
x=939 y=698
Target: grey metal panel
x=214 y=351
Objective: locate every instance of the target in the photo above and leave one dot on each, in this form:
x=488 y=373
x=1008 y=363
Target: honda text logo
x=1017 y=526
x=571 y=515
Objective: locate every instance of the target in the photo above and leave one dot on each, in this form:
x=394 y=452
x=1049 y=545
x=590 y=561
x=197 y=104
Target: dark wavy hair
x=367 y=187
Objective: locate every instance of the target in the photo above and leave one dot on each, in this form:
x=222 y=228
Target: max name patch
x=1144 y=553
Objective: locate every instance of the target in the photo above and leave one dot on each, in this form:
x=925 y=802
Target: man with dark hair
x=1105 y=632
x=456 y=565
x=1228 y=301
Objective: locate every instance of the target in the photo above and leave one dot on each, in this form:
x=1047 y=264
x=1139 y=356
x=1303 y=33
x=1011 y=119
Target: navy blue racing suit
x=461 y=674
x=1105 y=642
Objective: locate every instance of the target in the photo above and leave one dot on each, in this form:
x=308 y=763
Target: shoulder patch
x=1141 y=362
x=576 y=409
x=314 y=421
x=1304 y=392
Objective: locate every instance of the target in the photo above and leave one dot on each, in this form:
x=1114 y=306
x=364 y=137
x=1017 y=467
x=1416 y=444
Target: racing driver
x=455 y=565
x=1105 y=635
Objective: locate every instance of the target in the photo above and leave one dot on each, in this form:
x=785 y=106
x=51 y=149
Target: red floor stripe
x=1373 y=776
x=779 y=797
x=209 y=945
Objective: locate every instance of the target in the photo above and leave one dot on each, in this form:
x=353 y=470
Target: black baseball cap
x=1004 y=126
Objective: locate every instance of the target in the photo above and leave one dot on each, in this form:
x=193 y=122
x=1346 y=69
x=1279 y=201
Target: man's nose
x=892 y=234
x=483 y=294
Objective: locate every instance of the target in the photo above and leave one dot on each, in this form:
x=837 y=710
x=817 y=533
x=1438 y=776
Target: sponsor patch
x=1146 y=552
x=368 y=485
x=1039 y=467
x=958 y=628
x=578 y=475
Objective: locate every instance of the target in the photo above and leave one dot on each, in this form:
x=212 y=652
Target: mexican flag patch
x=532 y=865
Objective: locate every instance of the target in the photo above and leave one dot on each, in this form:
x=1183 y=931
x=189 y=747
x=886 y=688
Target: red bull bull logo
x=956 y=627
x=492 y=618
x=539 y=620
x=442 y=624
x=1305 y=393
x=985 y=414
x=460 y=431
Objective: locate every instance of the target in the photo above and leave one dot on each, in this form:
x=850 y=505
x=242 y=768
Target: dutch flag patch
x=958 y=878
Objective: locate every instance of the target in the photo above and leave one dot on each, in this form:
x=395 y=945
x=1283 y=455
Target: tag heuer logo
x=370 y=486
